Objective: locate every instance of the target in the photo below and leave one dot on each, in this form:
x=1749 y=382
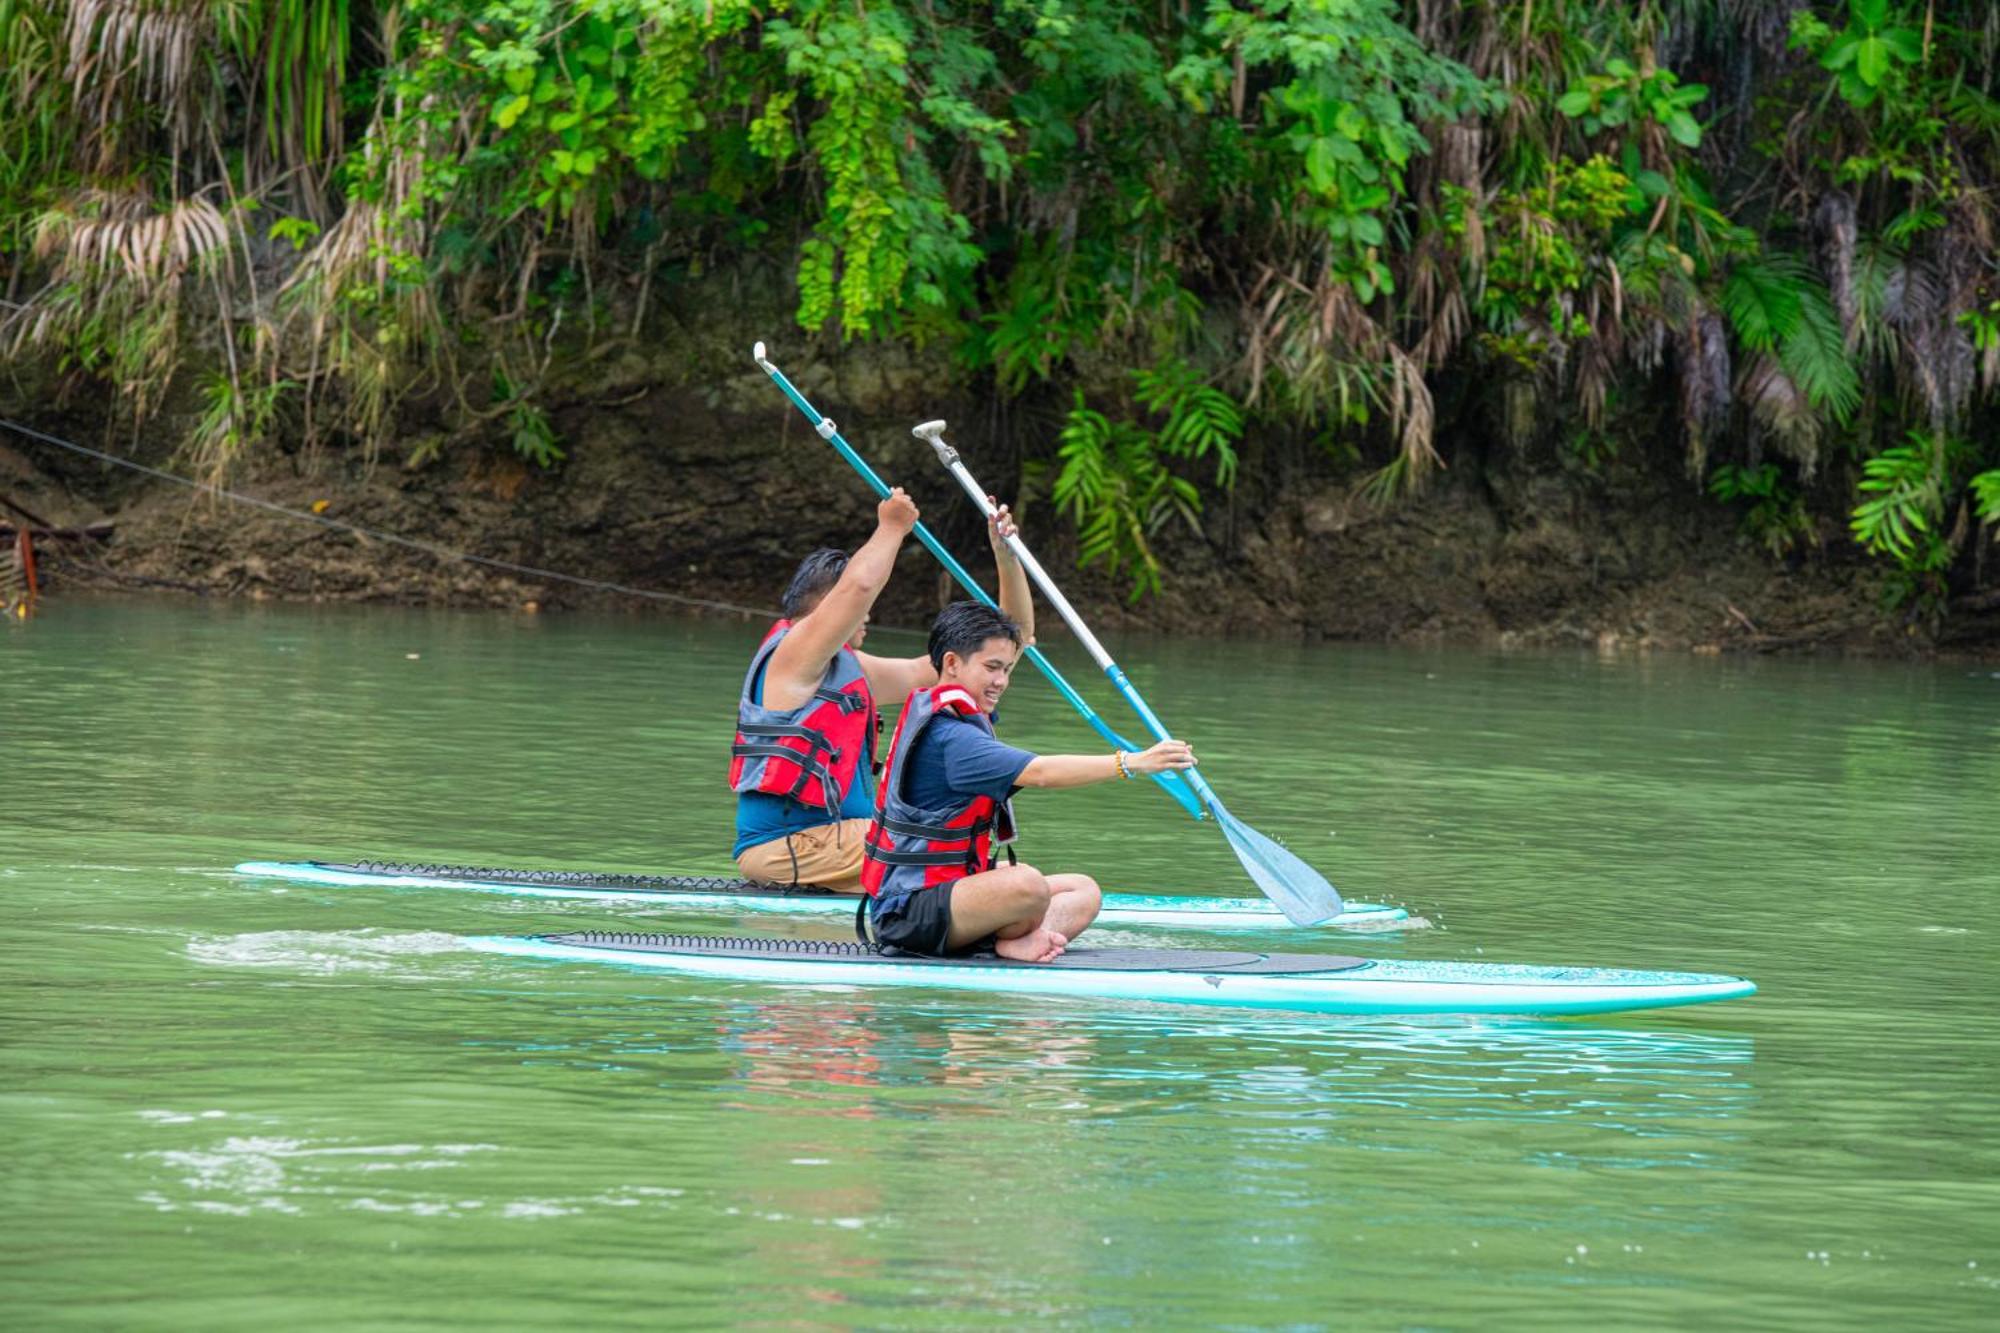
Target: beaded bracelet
x=1123 y=771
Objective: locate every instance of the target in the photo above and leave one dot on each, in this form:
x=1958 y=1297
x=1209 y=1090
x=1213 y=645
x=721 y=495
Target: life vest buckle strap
x=934 y=832
x=967 y=856
x=809 y=767
x=816 y=739
x=768 y=750
x=846 y=701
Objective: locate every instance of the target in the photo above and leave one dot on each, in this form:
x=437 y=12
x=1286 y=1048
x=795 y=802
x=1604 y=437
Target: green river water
x=234 y=1104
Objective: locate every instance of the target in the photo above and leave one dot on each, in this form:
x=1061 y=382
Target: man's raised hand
x=897 y=512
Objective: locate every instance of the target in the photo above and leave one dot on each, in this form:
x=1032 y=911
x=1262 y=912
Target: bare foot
x=1040 y=945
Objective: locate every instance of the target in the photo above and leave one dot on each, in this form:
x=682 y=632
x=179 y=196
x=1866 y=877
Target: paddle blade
x=1300 y=892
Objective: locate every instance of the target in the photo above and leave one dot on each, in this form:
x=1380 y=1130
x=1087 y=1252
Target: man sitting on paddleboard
x=803 y=764
x=930 y=874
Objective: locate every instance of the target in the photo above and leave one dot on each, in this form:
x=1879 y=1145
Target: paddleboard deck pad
x=713 y=893
x=1318 y=983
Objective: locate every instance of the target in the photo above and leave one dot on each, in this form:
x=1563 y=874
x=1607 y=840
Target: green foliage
x=1869 y=54
x=234 y=417
x=1115 y=480
x=1985 y=490
x=1198 y=420
x=1333 y=207
x=1907 y=501
x=1776 y=305
x=1984 y=326
x=1775 y=513
x=1623 y=95
x=533 y=438
x=1903 y=518
x=298 y=51
x=296 y=232
x=1591 y=449
x=1544 y=248
x=529 y=431
x=1343 y=124
x=1112 y=484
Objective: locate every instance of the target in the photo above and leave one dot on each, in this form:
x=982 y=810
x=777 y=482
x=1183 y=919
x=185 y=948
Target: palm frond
x=1762 y=298
x=1906 y=498
x=132 y=58
x=1815 y=356
x=98 y=235
x=1784 y=413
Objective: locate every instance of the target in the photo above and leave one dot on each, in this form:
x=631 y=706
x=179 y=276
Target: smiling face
x=985 y=673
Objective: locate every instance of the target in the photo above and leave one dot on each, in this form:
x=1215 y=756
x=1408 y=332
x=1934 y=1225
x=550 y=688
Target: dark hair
x=961 y=627
x=816 y=574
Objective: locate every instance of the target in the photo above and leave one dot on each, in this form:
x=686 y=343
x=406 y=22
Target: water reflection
x=834 y=1051
x=833 y=1054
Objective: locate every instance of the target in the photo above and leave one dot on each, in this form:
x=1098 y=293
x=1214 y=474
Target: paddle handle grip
x=1035 y=570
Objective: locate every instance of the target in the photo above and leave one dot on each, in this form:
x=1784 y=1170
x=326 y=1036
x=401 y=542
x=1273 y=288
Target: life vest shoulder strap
x=955 y=699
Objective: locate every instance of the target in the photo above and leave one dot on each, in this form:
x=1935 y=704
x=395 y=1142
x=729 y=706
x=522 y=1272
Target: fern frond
x=1779 y=406
x=1816 y=357
x=1762 y=299
x=1986 y=493
x=1877 y=285
x=1907 y=499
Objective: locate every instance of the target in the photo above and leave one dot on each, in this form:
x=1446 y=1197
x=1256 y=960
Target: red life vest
x=910 y=847
x=810 y=753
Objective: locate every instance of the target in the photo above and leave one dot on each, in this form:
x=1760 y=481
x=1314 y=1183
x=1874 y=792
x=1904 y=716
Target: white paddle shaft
x=1300 y=892
x=933 y=433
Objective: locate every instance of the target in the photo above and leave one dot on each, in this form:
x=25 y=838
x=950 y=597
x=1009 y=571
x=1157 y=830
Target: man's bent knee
x=1074 y=901
x=1028 y=889
x=1082 y=884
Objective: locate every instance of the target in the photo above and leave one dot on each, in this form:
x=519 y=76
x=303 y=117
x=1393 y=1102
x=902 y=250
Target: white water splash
x=324 y=953
x=247 y=1174
x=166 y=1117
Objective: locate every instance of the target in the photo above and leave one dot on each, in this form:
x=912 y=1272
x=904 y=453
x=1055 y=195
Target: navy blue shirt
x=955 y=760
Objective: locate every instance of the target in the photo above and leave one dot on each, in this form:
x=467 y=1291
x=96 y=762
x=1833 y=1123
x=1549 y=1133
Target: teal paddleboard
x=1317 y=983
x=694 y=893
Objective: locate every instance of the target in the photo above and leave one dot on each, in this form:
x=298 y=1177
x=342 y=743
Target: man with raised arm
x=933 y=884
x=803 y=764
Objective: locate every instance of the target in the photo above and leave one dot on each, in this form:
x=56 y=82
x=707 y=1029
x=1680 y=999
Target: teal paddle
x=1171 y=783
x=1300 y=892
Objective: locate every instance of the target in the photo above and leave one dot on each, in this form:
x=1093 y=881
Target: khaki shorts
x=829 y=855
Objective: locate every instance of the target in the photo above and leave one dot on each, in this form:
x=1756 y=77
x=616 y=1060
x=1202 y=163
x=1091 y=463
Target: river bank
x=708 y=487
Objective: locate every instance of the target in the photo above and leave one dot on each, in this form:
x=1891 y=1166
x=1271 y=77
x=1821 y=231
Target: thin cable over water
x=428 y=548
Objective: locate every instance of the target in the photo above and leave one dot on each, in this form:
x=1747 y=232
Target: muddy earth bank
x=688 y=474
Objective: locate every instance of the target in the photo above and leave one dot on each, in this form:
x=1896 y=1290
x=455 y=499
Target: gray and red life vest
x=810 y=753
x=912 y=847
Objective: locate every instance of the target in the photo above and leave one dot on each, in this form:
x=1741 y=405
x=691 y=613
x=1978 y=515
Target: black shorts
x=919 y=922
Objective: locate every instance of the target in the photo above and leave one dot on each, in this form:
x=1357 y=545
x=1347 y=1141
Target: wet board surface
x=1078 y=958
x=1318 y=983
x=711 y=892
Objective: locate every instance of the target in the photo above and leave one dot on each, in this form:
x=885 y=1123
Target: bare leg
x=1010 y=902
x=1074 y=901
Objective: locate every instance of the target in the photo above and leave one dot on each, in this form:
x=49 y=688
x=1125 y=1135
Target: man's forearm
x=1017 y=602
x=1069 y=770
x=871 y=565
